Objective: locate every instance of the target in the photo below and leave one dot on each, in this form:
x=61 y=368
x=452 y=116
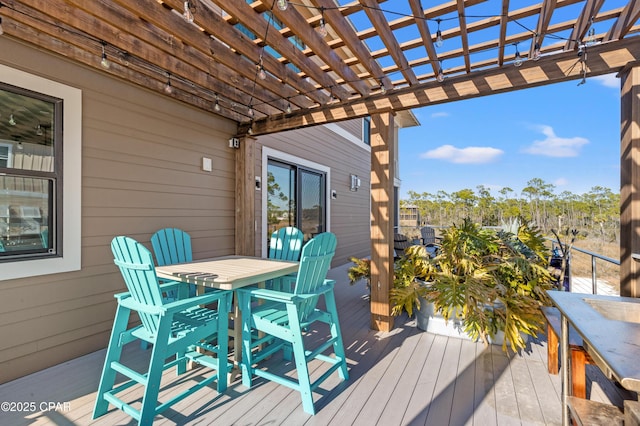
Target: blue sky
x=564 y=134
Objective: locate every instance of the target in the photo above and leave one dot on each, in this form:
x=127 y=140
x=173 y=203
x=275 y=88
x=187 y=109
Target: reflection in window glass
x=28 y=176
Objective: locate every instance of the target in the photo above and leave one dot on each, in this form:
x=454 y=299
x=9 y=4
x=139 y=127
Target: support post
x=245 y=229
x=383 y=161
x=630 y=180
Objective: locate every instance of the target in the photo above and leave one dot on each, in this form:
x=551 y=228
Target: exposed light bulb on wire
x=167 y=87
x=262 y=75
x=518 y=59
x=288 y=107
x=12 y=120
x=536 y=52
x=282 y=4
x=322 y=28
x=1 y=29
x=216 y=105
x=383 y=89
x=251 y=111
x=104 y=61
x=440 y=76
x=439 y=40
x=188 y=13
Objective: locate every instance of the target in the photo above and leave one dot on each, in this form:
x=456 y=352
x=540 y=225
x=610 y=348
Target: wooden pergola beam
x=603 y=58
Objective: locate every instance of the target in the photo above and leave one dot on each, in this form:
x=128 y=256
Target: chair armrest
x=181 y=305
x=284 y=297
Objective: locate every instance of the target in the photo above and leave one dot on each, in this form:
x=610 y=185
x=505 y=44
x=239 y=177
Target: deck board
x=404 y=377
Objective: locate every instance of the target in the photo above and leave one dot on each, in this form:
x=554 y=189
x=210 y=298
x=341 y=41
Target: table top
x=227 y=272
x=614 y=343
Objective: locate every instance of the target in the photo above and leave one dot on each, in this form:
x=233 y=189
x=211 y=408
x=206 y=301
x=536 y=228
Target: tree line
x=595 y=213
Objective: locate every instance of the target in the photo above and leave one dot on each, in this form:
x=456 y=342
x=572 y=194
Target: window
x=366 y=130
x=40 y=175
x=30 y=177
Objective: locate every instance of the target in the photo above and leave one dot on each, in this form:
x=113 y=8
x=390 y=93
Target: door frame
x=273 y=154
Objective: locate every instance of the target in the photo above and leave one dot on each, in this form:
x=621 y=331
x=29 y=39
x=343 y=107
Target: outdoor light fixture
x=355 y=183
x=1 y=29
x=105 y=62
x=322 y=29
x=288 y=107
x=439 y=39
x=188 y=13
x=262 y=75
x=518 y=59
x=12 y=120
x=167 y=87
x=216 y=105
x=282 y=4
x=440 y=76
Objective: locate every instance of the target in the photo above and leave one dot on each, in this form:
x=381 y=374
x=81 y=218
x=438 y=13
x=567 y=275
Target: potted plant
x=489 y=281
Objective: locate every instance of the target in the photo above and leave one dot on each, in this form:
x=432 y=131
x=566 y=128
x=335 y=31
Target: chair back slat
x=138 y=271
x=171 y=245
x=286 y=244
x=428 y=235
x=315 y=262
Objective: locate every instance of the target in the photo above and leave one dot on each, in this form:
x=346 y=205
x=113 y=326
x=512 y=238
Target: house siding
x=141 y=171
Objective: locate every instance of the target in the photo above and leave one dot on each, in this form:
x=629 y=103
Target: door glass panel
x=312 y=203
x=281 y=202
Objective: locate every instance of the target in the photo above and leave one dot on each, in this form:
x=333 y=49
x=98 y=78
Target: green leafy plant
x=361 y=269
x=491 y=280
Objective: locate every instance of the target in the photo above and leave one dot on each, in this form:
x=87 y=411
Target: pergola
x=276 y=65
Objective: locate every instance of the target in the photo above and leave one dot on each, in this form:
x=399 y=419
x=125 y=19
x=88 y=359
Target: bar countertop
x=610 y=328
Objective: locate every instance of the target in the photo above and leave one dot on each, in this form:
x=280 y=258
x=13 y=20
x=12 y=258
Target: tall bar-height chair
x=176 y=330
x=285 y=244
x=170 y=246
x=284 y=317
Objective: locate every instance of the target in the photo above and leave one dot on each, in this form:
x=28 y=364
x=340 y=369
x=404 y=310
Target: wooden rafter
x=218 y=55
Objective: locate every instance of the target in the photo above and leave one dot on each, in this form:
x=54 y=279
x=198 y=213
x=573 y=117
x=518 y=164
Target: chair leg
x=114 y=352
x=154 y=375
x=302 y=368
x=338 y=345
x=247 y=356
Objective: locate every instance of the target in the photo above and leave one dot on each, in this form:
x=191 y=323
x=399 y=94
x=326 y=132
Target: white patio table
x=228 y=273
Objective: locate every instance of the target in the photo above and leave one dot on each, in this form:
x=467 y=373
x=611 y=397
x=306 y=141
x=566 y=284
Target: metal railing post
x=594 y=281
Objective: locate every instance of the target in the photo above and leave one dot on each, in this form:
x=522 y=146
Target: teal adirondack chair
x=285 y=244
x=176 y=329
x=283 y=317
x=170 y=246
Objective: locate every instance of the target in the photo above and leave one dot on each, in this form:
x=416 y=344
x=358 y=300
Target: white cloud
x=555 y=146
x=561 y=182
x=608 y=80
x=440 y=114
x=469 y=155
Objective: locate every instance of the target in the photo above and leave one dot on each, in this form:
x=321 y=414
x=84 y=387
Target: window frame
x=69 y=234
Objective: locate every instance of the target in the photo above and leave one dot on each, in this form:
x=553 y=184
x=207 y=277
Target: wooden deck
x=405 y=377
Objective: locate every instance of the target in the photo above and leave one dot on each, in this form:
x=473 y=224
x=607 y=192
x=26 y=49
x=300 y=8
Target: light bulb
x=282 y=4
x=105 y=62
x=262 y=75
x=188 y=14
x=251 y=112
x=518 y=60
x=439 y=39
x=322 y=29
x=216 y=106
x=1 y=29
x=12 y=120
x=440 y=76
x=536 y=52
x=383 y=89
x=39 y=131
x=167 y=87
x=288 y=107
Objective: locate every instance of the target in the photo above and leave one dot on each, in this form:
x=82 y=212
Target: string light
x=104 y=61
x=288 y=107
x=439 y=40
x=251 y=111
x=216 y=105
x=188 y=13
x=536 y=52
x=1 y=29
x=12 y=120
x=518 y=59
x=440 y=76
x=262 y=75
x=322 y=29
x=383 y=89
x=168 y=89
x=282 y=4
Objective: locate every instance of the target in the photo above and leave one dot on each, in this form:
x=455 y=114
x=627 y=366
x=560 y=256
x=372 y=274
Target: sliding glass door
x=296 y=196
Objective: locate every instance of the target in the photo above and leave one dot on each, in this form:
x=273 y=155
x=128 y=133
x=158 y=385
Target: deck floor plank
x=404 y=377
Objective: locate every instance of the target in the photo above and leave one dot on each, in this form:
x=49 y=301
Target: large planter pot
x=430 y=321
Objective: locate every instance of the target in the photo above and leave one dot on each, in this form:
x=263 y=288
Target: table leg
x=564 y=351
